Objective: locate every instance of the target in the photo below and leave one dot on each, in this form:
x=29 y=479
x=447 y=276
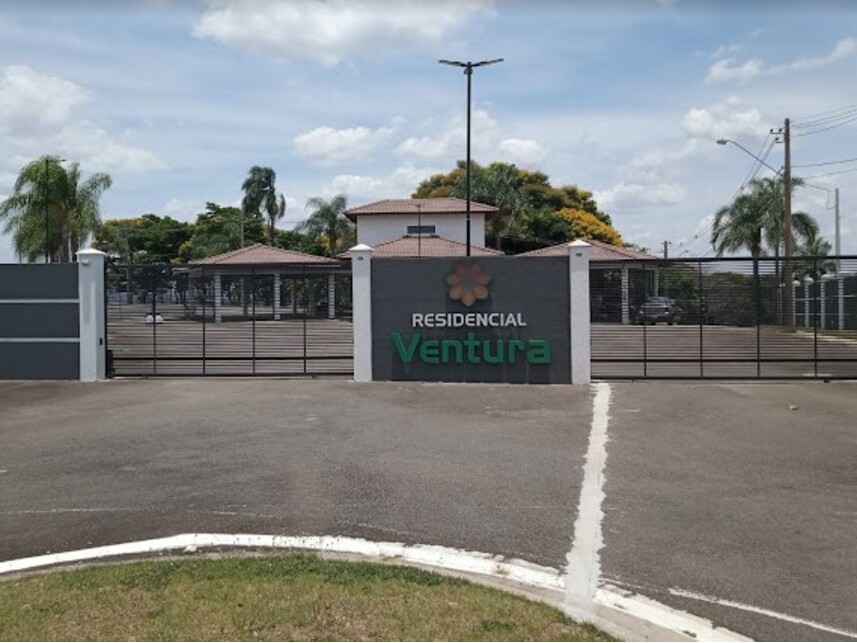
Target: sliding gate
x=725 y=318
x=281 y=320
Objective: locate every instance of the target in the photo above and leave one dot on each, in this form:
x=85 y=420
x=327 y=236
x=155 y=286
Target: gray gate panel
x=39 y=361
x=38 y=281
x=536 y=287
x=39 y=320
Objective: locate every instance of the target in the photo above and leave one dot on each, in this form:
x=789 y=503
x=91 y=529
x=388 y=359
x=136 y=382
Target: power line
x=818 y=176
x=827 y=163
x=851 y=119
x=822 y=117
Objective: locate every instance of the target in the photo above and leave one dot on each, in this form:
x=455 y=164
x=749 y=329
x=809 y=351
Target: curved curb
x=620 y=613
x=456 y=560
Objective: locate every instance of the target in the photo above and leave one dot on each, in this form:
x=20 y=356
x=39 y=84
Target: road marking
x=586 y=594
x=458 y=560
x=583 y=571
x=761 y=610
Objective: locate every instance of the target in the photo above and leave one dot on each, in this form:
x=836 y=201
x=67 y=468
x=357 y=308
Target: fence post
x=277 y=286
x=825 y=279
x=807 y=297
x=218 y=300
x=795 y=286
x=331 y=296
x=626 y=309
x=361 y=307
x=840 y=295
x=90 y=293
x=579 y=314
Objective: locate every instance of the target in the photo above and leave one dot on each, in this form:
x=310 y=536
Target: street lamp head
x=722 y=141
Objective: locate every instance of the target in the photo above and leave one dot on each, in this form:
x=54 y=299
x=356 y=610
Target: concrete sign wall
x=39 y=322
x=52 y=319
x=487 y=319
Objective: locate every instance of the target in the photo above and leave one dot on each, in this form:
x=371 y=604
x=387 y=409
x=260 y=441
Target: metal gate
x=722 y=318
x=236 y=320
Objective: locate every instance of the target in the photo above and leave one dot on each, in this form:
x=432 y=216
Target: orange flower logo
x=468 y=283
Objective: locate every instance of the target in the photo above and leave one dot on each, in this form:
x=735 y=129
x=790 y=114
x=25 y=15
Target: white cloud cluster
x=727 y=119
x=329 y=146
x=31 y=103
x=37 y=116
x=362 y=188
x=630 y=196
x=728 y=69
x=329 y=31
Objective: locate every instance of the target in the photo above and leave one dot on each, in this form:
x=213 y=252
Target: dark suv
x=659 y=309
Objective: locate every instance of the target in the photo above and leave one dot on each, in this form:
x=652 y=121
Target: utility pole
x=667 y=244
x=838 y=240
x=788 y=241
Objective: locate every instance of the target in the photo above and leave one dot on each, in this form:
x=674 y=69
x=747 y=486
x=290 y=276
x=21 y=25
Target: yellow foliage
x=584 y=225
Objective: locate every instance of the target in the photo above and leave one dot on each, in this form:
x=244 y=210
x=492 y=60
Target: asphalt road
x=488 y=468
x=728 y=491
x=718 y=491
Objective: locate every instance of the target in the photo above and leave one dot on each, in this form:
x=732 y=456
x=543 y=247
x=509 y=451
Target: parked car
x=659 y=309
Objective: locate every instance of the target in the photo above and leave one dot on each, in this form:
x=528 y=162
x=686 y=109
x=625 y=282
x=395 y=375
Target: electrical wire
x=824 y=117
x=818 y=176
x=851 y=119
x=827 y=163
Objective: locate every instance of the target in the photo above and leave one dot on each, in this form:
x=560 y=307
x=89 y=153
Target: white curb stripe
x=443 y=557
x=761 y=610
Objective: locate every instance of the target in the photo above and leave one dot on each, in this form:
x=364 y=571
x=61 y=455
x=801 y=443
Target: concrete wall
x=52 y=319
x=377 y=228
x=39 y=322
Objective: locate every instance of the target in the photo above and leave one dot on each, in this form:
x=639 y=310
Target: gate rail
x=231 y=320
x=725 y=318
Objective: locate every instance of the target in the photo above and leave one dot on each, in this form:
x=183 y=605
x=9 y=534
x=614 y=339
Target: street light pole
x=468 y=71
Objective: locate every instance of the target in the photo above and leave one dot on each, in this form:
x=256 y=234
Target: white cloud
x=37 y=114
x=182 y=209
x=328 y=146
x=400 y=183
x=31 y=102
x=729 y=70
x=523 y=150
x=727 y=119
x=726 y=50
x=328 y=31
x=629 y=196
x=97 y=151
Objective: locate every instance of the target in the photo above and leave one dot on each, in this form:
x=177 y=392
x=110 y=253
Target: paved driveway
x=721 y=499
x=489 y=468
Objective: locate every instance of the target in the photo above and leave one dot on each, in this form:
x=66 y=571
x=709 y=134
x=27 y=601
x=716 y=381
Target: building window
x=421 y=229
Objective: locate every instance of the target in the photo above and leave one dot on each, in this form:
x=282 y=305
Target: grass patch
x=291 y=597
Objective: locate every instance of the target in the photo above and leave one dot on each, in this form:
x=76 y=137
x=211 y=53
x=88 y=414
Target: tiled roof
x=428 y=246
x=600 y=252
x=446 y=205
x=262 y=254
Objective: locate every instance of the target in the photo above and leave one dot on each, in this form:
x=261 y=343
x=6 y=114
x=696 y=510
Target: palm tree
x=327 y=222
x=754 y=221
x=51 y=212
x=818 y=248
x=260 y=192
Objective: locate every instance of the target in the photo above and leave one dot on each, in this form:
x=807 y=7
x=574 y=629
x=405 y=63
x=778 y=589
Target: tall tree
x=260 y=193
x=144 y=239
x=219 y=230
x=51 y=211
x=328 y=224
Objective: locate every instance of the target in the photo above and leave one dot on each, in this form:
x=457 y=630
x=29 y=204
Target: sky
x=177 y=99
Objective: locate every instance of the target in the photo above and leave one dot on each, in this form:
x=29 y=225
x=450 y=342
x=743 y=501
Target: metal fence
x=281 y=320
x=725 y=319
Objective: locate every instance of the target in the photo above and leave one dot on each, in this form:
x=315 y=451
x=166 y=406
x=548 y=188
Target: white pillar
x=276 y=297
x=579 y=315
x=90 y=293
x=655 y=282
x=795 y=295
x=361 y=293
x=840 y=295
x=807 y=282
x=823 y=298
x=626 y=312
x=218 y=300
x=331 y=296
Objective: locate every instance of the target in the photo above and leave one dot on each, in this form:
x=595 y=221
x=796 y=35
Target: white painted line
x=766 y=612
x=649 y=610
x=447 y=558
x=583 y=571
